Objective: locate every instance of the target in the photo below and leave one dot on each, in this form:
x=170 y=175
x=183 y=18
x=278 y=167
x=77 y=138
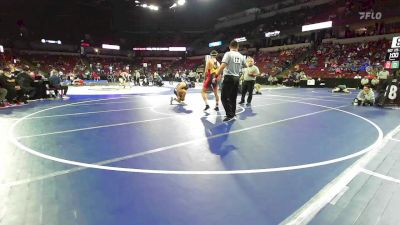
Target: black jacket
x=24 y=80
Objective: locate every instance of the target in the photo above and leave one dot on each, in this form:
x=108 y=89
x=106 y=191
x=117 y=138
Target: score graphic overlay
x=392 y=92
x=396 y=42
x=392 y=58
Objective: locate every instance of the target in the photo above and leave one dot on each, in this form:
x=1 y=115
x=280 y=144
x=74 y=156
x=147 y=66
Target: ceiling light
x=181 y=2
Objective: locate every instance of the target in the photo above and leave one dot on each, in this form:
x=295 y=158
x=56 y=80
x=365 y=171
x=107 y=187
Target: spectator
x=177 y=76
x=383 y=74
x=171 y=78
x=95 y=76
x=3 y=93
x=26 y=82
x=303 y=76
x=272 y=80
x=357 y=76
x=364 y=81
x=55 y=82
x=14 y=92
x=137 y=78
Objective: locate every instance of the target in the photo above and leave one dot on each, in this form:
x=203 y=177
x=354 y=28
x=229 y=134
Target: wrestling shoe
x=229 y=119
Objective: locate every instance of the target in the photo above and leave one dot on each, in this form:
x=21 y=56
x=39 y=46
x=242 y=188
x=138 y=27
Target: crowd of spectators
x=21 y=84
x=346 y=60
x=29 y=77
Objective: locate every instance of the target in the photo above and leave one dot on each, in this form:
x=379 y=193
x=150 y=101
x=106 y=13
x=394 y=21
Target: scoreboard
x=392 y=58
x=392 y=93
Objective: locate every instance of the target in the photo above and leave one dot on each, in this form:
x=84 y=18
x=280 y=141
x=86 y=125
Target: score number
x=391 y=92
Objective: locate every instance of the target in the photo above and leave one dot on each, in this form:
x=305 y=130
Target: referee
x=249 y=79
x=231 y=66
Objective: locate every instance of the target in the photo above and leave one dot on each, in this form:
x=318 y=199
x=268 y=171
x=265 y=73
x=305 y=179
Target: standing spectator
x=137 y=78
x=177 y=76
x=171 y=78
x=155 y=76
x=150 y=79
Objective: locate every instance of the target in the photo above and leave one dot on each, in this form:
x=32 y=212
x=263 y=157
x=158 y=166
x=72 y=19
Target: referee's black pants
x=247 y=86
x=229 y=93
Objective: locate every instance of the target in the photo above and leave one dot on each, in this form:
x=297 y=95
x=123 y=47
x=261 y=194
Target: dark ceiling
x=111 y=19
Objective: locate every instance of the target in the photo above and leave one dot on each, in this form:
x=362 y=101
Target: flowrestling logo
x=370 y=15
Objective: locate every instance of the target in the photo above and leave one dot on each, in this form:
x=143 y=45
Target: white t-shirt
x=383 y=74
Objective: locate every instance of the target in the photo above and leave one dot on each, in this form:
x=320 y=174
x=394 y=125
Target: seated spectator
x=303 y=76
x=341 y=89
x=39 y=84
x=159 y=82
x=364 y=81
x=273 y=80
x=289 y=79
x=366 y=97
x=95 y=76
x=26 y=82
x=357 y=76
x=55 y=82
x=14 y=92
x=3 y=94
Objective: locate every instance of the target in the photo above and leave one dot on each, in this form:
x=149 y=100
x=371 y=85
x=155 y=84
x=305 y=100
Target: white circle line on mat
x=377 y=142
